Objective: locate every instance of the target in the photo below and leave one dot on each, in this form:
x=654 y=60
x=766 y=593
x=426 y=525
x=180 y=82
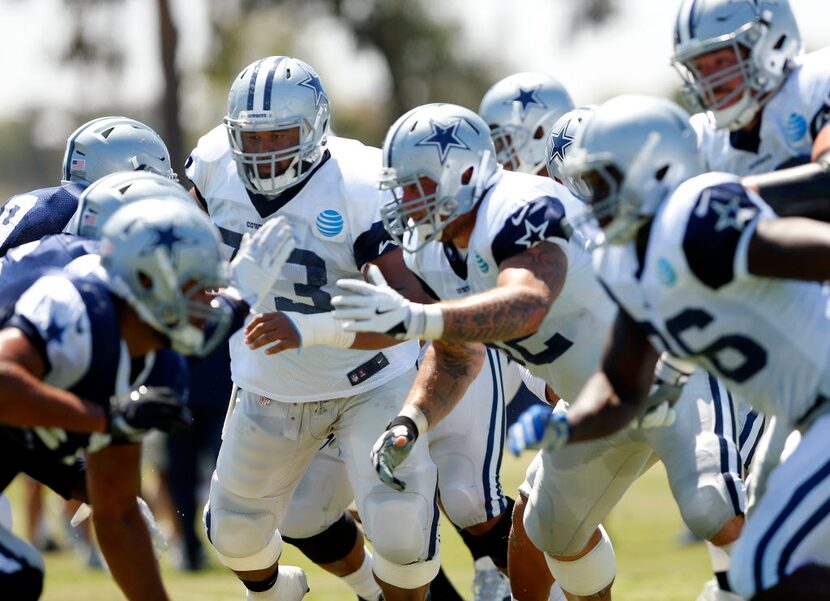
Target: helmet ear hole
x=661 y=173
x=145 y=280
x=467 y=176
x=539 y=133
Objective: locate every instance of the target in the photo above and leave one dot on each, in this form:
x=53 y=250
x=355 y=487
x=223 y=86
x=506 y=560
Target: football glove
x=133 y=415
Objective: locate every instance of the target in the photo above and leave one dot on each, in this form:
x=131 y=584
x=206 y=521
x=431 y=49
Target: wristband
x=320 y=329
x=426 y=322
x=417 y=416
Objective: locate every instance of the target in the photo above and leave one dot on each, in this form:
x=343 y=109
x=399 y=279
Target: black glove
x=134 y=414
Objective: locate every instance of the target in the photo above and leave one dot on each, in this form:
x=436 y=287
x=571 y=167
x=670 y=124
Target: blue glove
x=538 y=427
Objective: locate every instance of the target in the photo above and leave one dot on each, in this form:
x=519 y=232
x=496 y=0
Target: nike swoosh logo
x=520 y=217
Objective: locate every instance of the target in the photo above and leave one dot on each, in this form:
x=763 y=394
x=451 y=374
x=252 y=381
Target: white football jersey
x=517 y=213
x=337 y=228
x=789 y=123
x=766 y=339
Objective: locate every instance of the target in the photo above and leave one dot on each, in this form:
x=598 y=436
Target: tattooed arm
x=447 y=370
x=528 y=284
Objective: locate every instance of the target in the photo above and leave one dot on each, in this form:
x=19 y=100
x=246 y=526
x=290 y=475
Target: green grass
x=643 y=527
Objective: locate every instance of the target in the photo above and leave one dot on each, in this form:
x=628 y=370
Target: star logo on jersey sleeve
x=731 y=214
x=533 y=234
x=444 y=138
x=313 y=82
x=527 y=98
x=559 y=142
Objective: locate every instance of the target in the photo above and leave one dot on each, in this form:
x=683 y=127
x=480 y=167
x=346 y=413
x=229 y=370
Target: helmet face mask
x=421 y=211
x=438 y=161
x=110 y=144
x=520 y=110
x=277 y=95
x=629 y=156
x=760 y=37
x=163 y=259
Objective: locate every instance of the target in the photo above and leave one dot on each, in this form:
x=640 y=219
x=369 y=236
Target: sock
x=719 y=557
x=361 y=581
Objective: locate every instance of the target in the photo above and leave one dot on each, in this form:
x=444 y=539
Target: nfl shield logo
x=264 y=401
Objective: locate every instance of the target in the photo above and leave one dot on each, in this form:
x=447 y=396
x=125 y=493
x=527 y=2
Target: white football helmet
x=162 y=257
x=559 y=144
x=630 y=155
x=104 y=196
x=277 y=93
x=447 y=144
x=762 y=34
x=520 y=110
x=109 y=144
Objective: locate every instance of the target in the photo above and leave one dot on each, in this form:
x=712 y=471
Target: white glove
x=258 y=263
x=374 y=306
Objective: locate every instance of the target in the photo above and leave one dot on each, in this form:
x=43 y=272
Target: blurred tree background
x=416 y=50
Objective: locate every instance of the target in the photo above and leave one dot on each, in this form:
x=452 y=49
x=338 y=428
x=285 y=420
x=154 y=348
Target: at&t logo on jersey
x=329 y=224
x=796 y=127
x=665 y=273
x=482 y=264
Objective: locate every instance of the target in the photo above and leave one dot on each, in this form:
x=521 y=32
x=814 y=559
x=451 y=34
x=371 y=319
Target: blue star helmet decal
x=54 y=331
x=313 y=82
x=527 y=98
x=560 y=141
x=165 y=237
x=444 y=138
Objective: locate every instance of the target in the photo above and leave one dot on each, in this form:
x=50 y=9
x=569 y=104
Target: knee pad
x=709 y=508
x=243 y=542
x=332 y=544
x=589 y=574
x=402 y=526
x=409 y=576
x=21 y=568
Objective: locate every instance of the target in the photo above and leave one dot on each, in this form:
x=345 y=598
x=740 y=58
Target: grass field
x=644 y=529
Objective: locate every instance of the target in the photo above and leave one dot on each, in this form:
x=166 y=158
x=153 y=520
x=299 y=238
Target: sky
x=630 y=55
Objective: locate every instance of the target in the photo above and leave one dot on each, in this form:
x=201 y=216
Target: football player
x=703 y=269
x=299 y=376
x=65 y=346
x=97 y=148
x=764 y=105
x=520 y=111
x=533 y=296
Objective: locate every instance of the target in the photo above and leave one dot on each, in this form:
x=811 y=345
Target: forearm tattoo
x=510 y=312
x=445 y=376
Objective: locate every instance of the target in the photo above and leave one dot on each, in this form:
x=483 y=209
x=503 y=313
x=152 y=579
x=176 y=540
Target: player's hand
x=392 y=448
x=373 y=306
x=271 y=328
x=538 y=427
x=661 y=415
x=133 y=415
x=260 y=258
